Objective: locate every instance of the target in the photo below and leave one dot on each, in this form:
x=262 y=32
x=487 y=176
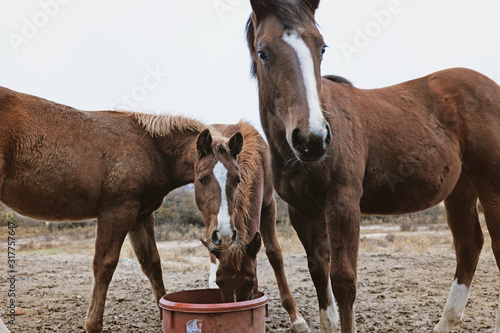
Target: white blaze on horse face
x=329 y=317
x=223 y=219
x=316 y=120
x=454 y=308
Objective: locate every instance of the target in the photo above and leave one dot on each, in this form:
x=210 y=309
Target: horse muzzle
x=222 y=241
x=310 y=147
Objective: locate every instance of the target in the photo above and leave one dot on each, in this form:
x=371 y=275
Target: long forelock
x=233 y=257
x=293 y=14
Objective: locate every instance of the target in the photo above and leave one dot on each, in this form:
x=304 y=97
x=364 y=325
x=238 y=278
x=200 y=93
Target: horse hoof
x=441 y=328
x=300 y=326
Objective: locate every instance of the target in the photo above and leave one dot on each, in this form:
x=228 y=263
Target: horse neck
x=178 y=154
x=274 y=130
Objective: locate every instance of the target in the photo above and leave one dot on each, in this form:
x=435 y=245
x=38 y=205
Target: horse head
x=237 y=271
x=217 y=176
x=286 y=49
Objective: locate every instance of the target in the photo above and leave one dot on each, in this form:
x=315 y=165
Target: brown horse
x=233 y=183
x=59 y=163
x=338 y=151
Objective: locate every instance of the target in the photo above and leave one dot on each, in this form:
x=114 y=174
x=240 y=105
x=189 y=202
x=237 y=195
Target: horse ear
x=204 y=143
x=258 y=7
x=254 y=246
x=235 y=144
x=312 y=4
x=211 y=249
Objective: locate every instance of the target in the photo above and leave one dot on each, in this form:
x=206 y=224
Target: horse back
x=61 y=163
x=407 y=144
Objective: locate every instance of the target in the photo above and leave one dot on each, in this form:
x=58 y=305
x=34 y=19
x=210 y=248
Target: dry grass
x=394 y=238
x=409 y=234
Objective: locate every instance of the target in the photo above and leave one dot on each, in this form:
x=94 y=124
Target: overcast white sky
x=190 y=57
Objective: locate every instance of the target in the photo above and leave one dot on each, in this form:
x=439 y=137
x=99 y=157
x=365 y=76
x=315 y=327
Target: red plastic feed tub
x=202 y=311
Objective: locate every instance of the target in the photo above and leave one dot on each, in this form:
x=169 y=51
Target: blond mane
x=166 y=124
x=249 y=160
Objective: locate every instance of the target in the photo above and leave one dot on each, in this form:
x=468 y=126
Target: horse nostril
x=328 y=138
x=299 y=141
x=215 y=238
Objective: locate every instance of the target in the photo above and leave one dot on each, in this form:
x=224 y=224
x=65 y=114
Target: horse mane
x=339 y=79
x=249 y=160
x=291 y=14
x=166 y=124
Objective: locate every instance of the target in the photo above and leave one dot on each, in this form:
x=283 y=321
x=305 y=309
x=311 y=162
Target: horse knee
x=344 y=287
x=103 y=271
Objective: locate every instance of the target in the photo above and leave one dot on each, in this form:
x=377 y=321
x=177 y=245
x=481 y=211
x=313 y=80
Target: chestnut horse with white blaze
x=58 y=163
x=233 y=189
x=338 y=151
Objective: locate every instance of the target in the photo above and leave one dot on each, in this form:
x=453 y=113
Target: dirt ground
x=397 y=292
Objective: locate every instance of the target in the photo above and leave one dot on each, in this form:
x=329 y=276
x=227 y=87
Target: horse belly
x=410 y=187
x=51 y=195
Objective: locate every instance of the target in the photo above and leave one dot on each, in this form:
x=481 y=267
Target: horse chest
x=301 y=190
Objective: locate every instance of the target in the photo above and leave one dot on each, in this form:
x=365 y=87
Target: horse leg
x=492 y=217
x=312 y=233
x=213 y=272
x=343 y=216
x=142 y=238
x=112 y=227
x=462 y=216
x=489 y=196
x=275 y=256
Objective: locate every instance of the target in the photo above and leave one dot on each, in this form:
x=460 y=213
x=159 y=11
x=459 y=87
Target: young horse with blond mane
x=338 y=151
x=233 y=189
x=58 y=163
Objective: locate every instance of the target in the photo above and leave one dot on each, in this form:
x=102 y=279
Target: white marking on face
x=454 y=307
x=329 y=317
x=212 y=278
x=223 y=219
x=316 y=119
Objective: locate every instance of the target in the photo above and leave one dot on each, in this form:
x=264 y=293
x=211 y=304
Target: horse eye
x=323 y=50
x=251 y=283
x=238 y=180
x=202 y=180
x=263 y=56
